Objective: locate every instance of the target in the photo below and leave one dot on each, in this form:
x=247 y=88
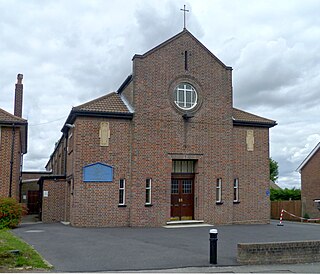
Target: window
x=218 y=190
x=122 y=191
x=187 y=186
x=174 y=187
x=185 y=96
x=148 y=192
x=236 y=190
x=183 y=166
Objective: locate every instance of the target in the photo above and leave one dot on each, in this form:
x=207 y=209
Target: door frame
x=183 y=176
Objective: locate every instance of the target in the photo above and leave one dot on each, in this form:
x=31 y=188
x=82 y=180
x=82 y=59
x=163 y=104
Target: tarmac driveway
x=111 y=249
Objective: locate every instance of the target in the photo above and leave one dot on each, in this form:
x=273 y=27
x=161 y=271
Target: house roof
x=8 y=118
x=243 y=118
x=306 y=160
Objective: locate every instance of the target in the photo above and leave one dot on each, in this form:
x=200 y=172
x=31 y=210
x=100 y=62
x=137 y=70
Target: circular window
x=185 y=96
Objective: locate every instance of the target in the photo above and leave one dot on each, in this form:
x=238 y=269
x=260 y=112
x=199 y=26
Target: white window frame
x=182 y=102
x=122 y=189
x=236 y=190
x=219 y=190
x=148 y=191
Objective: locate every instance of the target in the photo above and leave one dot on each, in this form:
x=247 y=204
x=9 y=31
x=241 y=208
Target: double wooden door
x=182 y=198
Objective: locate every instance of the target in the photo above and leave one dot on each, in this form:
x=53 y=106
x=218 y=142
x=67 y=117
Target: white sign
x=45 y=193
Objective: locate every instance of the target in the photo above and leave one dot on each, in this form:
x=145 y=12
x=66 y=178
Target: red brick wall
x=54 y=206
x=310 y=185
x=96 y=204
x=252 y=169
x=5 y=158
x=160 y=134
x=146 y=146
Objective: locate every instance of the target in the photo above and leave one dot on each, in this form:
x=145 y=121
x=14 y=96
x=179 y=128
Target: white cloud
x=74 y=51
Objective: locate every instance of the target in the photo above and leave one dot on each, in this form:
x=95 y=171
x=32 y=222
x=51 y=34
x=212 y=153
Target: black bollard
x=213 y=246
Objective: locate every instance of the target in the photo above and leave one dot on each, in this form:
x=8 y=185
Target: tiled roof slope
x=6 y=117
x=242 y=116
x=111 y=103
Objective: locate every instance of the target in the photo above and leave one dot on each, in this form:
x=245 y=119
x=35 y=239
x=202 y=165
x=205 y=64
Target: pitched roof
x=244 y=118
x=306 y=160
x=111 y=103
x=8 y=118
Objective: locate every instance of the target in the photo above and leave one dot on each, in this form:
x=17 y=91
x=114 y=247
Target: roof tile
x=243 y=116
x=111 y=102
x=6 y=117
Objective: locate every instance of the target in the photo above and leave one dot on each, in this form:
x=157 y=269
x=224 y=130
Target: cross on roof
x=184 y=15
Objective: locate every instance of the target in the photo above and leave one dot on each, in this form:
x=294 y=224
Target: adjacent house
x=167 y=146
x=310 y=183
x=13 y=145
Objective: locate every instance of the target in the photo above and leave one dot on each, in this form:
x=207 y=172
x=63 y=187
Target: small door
x=33 y=201
x=182 y=199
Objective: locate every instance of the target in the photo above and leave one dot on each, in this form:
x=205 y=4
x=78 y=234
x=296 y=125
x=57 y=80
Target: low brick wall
x=280 y=252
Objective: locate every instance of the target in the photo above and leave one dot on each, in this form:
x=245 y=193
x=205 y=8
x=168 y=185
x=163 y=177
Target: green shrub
x=285 y=194
x=10 y=212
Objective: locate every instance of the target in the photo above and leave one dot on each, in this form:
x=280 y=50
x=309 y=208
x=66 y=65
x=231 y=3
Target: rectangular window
x=148 y=191
x=122 y=191
x=218 y=190
x=236 y=190
x=183 y=166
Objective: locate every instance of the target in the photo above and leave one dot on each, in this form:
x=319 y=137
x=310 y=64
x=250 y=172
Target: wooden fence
x=293 y=207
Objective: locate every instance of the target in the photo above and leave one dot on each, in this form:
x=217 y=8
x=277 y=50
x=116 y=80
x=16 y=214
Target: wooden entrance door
x=182 y=198
x=33 y=201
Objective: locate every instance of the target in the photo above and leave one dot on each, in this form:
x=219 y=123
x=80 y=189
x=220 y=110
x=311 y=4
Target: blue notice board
x=97 y=172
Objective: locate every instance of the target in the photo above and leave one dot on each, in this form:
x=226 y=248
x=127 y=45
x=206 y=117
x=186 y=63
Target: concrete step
x=185 y=222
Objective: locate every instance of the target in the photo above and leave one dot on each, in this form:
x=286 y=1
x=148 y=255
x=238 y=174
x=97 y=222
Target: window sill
x=122 y=205
x=219 y=203
x=148 y=205
x=236 y=202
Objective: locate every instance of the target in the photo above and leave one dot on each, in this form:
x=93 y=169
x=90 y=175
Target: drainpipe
x=11 y=161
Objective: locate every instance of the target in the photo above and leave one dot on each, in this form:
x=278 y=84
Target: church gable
x=185 y=33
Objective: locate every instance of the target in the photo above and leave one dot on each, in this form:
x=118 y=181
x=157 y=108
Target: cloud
x=74 y=51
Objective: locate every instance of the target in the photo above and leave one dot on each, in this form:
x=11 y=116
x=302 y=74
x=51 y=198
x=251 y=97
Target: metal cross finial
x=184 y=16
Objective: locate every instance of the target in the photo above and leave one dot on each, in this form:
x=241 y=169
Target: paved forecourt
x=111 y=249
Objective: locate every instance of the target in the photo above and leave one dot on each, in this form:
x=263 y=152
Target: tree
x=285 y=194
x=273 y=170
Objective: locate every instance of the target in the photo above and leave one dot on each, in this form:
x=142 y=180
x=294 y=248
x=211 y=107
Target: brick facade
x=54 y=206
x=13 y=144
x=310 y=183
x=148 y=132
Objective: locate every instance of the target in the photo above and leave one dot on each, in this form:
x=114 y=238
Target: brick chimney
x=18 y=96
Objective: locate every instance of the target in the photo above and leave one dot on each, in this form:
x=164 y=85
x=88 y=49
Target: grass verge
x=27 y=258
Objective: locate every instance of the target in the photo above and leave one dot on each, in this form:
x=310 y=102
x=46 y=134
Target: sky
x=71 y=52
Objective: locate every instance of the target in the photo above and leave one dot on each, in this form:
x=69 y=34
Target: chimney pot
x=19 y=78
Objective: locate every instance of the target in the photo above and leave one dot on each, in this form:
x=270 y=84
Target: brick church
x=168 y=145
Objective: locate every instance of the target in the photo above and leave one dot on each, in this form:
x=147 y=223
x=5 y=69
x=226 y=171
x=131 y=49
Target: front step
x=185 y=222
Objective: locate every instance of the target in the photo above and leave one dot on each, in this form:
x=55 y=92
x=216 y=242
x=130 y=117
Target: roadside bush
x=10 y=212
x=285 y=194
